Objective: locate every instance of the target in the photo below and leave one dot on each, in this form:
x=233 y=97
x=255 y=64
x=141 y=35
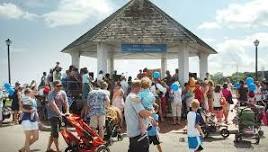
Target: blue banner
x=141 y=48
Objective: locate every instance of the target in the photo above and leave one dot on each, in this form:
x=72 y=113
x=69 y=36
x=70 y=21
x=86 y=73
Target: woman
x=29 y=120
x=85 y=84
x=16 y=99
x=210 y=95
x=242 y=94
x=205 y=89
x=227 y=94
x=118 y=94
x=176 y=104
x=217 y=103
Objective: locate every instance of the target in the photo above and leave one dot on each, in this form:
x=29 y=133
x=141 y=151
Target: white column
x=102 y=55
x=183 y=65
x=111 y=64
x=163 y=65
x=75 y=58
x=203 y=65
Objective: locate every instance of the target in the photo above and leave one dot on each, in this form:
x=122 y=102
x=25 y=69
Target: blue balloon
x=237 y=85
x=252 y=87
x=175 y=87
x=156 y=75
x=249 y=80
x=9 y=89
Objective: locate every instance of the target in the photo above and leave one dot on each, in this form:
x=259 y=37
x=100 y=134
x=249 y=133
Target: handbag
x=230 y=100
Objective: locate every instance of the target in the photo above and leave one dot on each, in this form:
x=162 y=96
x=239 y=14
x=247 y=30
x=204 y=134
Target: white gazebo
x=141 y=30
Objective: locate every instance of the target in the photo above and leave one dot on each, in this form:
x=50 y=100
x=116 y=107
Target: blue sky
x=39 y=29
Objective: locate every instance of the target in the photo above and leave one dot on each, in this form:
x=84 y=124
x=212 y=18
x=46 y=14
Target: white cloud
x=241 y=53
x=12 y=11
x=209 y=25
x=254 y=13
x=71 y=12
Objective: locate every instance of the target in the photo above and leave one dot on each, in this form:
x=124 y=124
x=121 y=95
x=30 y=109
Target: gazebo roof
x=139 y=22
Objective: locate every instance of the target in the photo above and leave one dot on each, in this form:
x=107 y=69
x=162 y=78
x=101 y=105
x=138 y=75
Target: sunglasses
x=58 y=86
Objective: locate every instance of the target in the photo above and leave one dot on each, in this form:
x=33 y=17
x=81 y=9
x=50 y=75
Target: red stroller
x=86 y=140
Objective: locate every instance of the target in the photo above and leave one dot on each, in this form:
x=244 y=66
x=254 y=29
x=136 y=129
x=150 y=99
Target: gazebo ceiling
x=138 y=22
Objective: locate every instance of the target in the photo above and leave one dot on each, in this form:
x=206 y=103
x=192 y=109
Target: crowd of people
x=143 y=102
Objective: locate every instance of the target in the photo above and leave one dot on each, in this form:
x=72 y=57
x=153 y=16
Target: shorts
x=176 y=109
x=55 y=123
x=154 y=140
x=138 y=144
x=97 y=121
x=28 y=125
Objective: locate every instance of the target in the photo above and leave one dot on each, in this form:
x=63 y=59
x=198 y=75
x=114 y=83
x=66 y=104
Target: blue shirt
x=132 y=108
x=96 y=101
x=147 y=99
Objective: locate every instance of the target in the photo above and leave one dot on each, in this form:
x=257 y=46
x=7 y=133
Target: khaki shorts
x=96 y=121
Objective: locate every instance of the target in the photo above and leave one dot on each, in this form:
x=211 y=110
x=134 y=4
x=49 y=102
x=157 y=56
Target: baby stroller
x=112 y=127
x=209 y=126
x=249 y=124
x=87 y=140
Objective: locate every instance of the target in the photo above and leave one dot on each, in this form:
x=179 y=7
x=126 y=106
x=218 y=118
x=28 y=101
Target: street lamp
x=256 y=43
x=8 y=42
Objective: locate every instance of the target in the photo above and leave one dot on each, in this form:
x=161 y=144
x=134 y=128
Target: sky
x=40 y=29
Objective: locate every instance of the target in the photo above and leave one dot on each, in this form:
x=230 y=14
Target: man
x=133 y=111
x=124 y=86
x=97 y=102
x=57 y=100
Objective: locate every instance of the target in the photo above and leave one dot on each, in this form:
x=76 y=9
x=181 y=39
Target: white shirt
x=217 y=99
x=258 y=94
x=85 y=78
x=124 y=86
x=191 y=122
x=159 y=87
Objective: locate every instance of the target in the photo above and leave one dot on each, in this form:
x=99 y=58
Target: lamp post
x=8 y=42
x=256 y=43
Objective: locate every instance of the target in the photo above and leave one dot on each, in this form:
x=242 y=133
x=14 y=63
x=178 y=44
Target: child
x=147 y=100
x=252 y=98
x=217 y=103
x=193 y=128
x=153 y=130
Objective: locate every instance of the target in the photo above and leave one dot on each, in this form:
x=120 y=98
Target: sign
x=144 y=48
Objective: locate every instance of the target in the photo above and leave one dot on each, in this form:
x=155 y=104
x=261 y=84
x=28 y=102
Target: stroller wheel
x=257 y=139
x=120 y=137
x=261 y=133
x=237 y=138
x=225 y=133
x=205 y=131
x=71 y=149
x=102 y=148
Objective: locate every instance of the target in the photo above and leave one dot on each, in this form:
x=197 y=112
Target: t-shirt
x=60 y=98
x=147 y=99
x=191 y=122
x=85 y=78
x=177 y=95
x=132 y=108
x=96 y=101
x=217 y=99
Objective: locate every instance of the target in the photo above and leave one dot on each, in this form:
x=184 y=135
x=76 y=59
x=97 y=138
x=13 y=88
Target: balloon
x=175 y=87
x=156 y=75
x=9 y=89
x=249 y=80
x=252 y=87
x=237 y=85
